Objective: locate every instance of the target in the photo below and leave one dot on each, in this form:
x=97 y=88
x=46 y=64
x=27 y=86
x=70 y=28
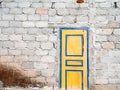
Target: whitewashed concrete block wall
x=29 y=37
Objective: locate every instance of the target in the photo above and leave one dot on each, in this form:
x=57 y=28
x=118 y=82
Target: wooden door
x=74 y=58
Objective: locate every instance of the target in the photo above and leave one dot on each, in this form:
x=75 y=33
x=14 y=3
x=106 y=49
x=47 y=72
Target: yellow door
x=74 y=58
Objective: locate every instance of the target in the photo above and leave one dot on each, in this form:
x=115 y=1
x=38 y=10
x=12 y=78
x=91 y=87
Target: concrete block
x=112 y=38
x=56 y=19
x=116 y=31
x=36 y=5
x=4 y=23
x=42 y=24
x=20 y=45
x=47 y=72
x=53 y=52
x=29 y=10
x=3 y=37
x=59 y=5
x=48 y=59
x=52 y=12
x=41 y=52
x=3 y=52
x=4 y=10
x=34 y=17
x=20 y=31
x=28 y=52
x=42 y=38
x=8 y=17
x=101 y=38
x=82 y=19
x=21 y=17
x=118 y=46
x=47 y=5
x=40 y=66
x=21 y=58
x=84 y=5
x=62 y=11
x=108 y=45
x=115 y=53
x=8 y=0
x=11 y=5
x=14 y=52
x=8 y=31
x=46 y=31
x=69 y=19
x=28 y=24
x=15 y=24
x=33 y=45
x=8 y=44
x=42 y=11
x=15 y=11
x=71 y=5
x=24 y=4
x=33 y=31
x=104 y=31
x=101 y=81
x=75 y=12
x=46 y=45
x=15 y=37
x=34 y=58
x=44 y=17
x=53 y=38
x=28 y=37
x=27 y=65
x=100 y=0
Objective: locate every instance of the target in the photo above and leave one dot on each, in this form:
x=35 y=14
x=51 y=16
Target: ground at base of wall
x=30 y=88
x=105 y=87
x=95 y=87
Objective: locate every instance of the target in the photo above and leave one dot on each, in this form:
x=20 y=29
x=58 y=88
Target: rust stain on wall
x=14 y=76
x=80 y=1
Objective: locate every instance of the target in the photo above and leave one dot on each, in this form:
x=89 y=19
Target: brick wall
x=29 y=37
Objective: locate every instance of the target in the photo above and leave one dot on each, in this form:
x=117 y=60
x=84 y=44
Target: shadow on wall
x=14 y=76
